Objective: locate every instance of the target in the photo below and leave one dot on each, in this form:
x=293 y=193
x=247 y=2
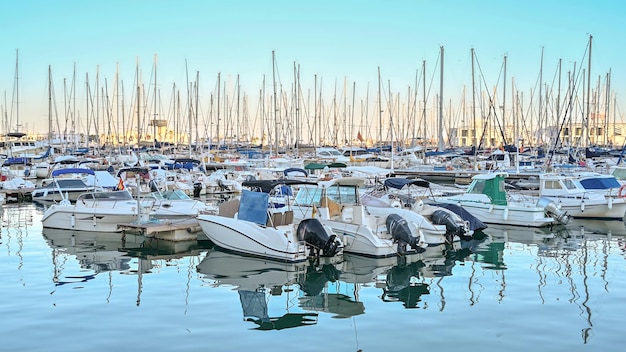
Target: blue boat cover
x=72 y=170
x=253 y=206
x=600 y=183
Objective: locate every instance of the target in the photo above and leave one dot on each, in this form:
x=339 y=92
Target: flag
x=120 y=185
x=359 y=136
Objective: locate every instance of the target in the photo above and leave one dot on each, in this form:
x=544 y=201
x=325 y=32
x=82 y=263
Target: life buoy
x=622 y=192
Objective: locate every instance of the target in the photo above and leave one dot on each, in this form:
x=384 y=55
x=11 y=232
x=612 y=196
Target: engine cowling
x=400 y=231
x=314 y=234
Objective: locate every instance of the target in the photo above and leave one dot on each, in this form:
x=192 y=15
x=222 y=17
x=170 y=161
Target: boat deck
x=170 y=230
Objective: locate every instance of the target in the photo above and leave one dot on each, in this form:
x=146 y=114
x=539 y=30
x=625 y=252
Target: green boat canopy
x=319 y=166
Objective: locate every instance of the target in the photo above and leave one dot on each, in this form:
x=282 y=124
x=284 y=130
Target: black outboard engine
x=153 y=186
x=400 y=231
x=314 y=234
x=197 y=187
x=453 y=228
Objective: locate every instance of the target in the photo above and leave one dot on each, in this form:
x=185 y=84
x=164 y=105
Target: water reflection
x=260 y=283
x=103 y=253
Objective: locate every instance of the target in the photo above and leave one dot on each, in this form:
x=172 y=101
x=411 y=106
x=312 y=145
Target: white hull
x=251 y=239
x=518 y=214
x=71 y=217
x=593 y=209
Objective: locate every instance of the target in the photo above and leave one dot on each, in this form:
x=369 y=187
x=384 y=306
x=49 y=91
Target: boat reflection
x=102 y=252
x=599 y=227
x=547 y=240
x=259 y=282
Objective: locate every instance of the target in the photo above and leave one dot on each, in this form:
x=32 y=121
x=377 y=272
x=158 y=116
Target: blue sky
x=334 y=40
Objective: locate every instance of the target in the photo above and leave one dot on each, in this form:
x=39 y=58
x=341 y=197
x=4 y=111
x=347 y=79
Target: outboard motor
x=400 y=231
x=453 y=227
x=315 y=235
x=551 y=209
x=197 y=187
x=153 y=186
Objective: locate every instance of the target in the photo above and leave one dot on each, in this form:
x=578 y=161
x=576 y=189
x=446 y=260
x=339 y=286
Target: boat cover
x=474 y=223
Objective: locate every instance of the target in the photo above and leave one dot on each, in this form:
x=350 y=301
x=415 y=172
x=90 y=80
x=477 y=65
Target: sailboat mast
x=17 y=92
x=440 y=124
x=274 y=102
x=380 y=111
x=587 y=113
x=49 y=105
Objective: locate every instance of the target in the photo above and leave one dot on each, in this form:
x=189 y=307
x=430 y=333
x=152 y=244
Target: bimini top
x=399 y=182
x=266 y=186
x=72 y=170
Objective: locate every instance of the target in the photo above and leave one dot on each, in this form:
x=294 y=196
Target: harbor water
x=517 y=289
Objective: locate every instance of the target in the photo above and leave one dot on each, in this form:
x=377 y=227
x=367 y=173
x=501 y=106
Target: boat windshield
x=103 y=196
x=170 y=195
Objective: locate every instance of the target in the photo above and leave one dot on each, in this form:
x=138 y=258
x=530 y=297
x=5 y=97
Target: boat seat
x=280 y=218
x=334 y=208
x=229 y=209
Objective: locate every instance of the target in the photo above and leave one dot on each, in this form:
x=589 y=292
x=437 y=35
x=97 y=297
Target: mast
x=380 y=112
x=474 y=134
x=17 y=93
x=275 y=103
x=154 y=119
x=587 y=113
x=540 y=121
x=440 y=124
x=424 y=98
x=138 y=107
x=49 y=105
x=504 y=101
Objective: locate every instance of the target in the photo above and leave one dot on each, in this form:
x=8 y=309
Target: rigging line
x=491 y=99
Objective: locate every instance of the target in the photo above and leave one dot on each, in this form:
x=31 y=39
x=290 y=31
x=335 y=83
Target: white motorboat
x=373 y=231
x=253 y=227
x=487 y=199
x=173 y=204
x=586 y=194
x=64 y=183
x=100 y=211
x=398 y=192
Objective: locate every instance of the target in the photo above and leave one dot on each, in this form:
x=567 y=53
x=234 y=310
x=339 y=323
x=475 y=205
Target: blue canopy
x=253 y=206
x=72 y=170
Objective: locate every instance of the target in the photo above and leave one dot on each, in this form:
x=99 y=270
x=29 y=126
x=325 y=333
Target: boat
x=374 y=231
x=487 y=199
x=585 y=194
x=93 y=211
x=258 y=283
x=70 y=186
x=252 y=226
x=173 y=204
x=399 y=192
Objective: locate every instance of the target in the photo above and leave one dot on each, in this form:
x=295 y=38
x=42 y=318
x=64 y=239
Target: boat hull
x=529 y=215
x=71 y=217
x=249 y=238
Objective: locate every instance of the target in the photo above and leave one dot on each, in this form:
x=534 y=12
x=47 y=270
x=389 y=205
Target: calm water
x=517 y=290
